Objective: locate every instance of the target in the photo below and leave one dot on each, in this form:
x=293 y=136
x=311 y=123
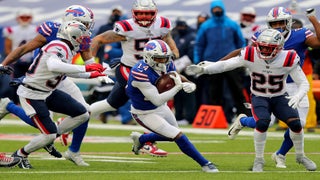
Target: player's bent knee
x=262 y=125
x=295 y=125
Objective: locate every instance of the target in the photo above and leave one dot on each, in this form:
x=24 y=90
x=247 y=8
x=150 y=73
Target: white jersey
x=267 y=79
x=40 y=80
x=21 y=35
x=138 y=36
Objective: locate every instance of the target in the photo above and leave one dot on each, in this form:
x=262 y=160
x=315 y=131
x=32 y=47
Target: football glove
x=293 y=101
x=188 y=87
x=310 y=12
x=95 y=74
x=194 y=70
x=105 y=80
x=94 y=67
x=6 y=69
x=176 y=78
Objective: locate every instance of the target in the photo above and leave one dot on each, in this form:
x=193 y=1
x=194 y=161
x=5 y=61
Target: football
x=165 y=83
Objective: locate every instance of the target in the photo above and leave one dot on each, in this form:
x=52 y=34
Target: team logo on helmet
x=75 y=12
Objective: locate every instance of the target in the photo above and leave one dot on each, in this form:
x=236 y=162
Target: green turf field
x=107 y=148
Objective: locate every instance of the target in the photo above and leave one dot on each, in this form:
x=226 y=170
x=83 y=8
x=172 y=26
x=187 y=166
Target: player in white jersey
x=47 y=32
x=269 y=68
x=38 y=93
x=133 y=34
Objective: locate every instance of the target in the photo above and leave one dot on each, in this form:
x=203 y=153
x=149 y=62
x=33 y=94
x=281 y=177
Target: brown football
x=165 y=83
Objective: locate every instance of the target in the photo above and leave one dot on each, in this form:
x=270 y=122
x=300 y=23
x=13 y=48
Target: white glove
x=293 y=101
x=188 y=87
x=310 y=12
x=176 y=78
x=194 y=70
x=105 y=79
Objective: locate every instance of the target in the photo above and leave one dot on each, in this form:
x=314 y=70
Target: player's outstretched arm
x=105 y=38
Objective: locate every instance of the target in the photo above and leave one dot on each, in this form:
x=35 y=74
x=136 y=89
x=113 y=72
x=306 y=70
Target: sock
x=286 y=145
x=18 y=111
x=188 y=148
x=297 y=139
x=248 y=122
x=152 y=137
x=78 y=135
x=259 y=142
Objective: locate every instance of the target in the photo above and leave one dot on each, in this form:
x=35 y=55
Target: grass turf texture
x=110 y=156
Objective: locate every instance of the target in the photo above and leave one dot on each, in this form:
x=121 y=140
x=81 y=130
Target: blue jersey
x=48 y=30
x=296 y=41
x=142 y=72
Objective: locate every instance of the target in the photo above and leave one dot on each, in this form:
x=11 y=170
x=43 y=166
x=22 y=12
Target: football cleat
x=3 y=107
x=210 y=168
x=9 y=161
x=153 y=150
x=236 y=127
x=258 y=165
x=279 y=159
x=75 y=158
x=52 y=150
x=24 y=164
x=307 y=163
x=63 y=137
x=136 y=143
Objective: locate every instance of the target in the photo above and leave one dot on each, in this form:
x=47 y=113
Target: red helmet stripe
x=163 y=46
x=275 y=12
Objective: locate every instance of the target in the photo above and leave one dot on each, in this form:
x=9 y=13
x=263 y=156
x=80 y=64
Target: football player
x=133 y=33
x=269 y=68
x=150 y=109
x=300 y=39
x=38 y=93
x=48 y=32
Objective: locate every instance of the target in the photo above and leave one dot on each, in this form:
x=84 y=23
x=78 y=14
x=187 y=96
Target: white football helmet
x=24 y=17
x=247 y=15
x=76 y=33
x=81 y=14
x=269 y=43
x=144 y=6
x=280 y=14
x=157 y=53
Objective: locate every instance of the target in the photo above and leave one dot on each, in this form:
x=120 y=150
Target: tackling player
x=133 y=34
x=269 y=68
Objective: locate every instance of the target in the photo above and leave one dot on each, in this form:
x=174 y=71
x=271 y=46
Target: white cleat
x=210 y=168
x=258 y=165
x=3 y=107
x=136 y=143
x=307 y=163
x=236 y=127
x=75 y=158
x=279 y=159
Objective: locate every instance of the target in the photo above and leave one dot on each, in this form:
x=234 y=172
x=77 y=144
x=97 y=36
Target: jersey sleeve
x=49 y=30
x=122 y=27
x=58 y=49
x=7 y=32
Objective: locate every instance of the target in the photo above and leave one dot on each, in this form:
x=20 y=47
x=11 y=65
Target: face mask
x=218 y=13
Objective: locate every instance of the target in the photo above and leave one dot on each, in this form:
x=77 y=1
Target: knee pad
x=295 y=126
x=262 y=125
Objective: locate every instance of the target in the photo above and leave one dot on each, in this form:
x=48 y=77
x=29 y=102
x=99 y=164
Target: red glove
x=95 y=74
x=94 y=67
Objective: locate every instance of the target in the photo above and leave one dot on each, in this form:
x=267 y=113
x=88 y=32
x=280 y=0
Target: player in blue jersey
x=280 y=18
x=150 y=109
x=46 y=33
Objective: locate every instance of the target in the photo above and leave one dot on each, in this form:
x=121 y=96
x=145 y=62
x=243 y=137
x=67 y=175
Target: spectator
x=184 y=103
x=216 y=37
x=202 y=17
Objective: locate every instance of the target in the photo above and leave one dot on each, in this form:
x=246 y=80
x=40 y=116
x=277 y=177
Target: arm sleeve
x=152 y=94
x=222 y=66
x=84 y=75
x=56 y=65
